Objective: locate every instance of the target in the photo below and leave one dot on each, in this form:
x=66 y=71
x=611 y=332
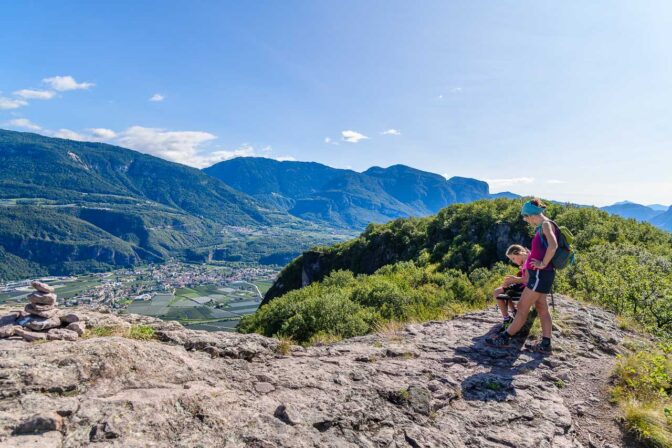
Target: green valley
x=70 y=207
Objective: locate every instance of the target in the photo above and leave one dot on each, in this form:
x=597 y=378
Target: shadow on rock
x=497 y=383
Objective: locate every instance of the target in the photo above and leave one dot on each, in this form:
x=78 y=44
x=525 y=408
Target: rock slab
x=42 y=287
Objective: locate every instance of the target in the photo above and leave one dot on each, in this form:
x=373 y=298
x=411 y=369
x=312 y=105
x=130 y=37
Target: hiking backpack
x=564 y=256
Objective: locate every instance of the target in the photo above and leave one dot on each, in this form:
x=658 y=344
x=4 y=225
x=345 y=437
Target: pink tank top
x=537 y=253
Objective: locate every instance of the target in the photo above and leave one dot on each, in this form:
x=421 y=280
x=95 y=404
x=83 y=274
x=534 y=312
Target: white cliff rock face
x=427 y=385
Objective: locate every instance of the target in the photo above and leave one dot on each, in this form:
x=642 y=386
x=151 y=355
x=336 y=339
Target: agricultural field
x=199 y=296
x=209 y=307
x=66 y=288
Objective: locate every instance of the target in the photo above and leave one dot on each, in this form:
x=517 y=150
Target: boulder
x=62 y=334
x=30 y=336
x=8 y=319
x=42 y=287
x=288 y=415
x=40 y=308
x=77 y=327
x=42 y=323
x=70 y=318
x=420 y=399
x=42 y=298
x=37 y=424
x=103 y=431
x=7 y=331
x=48 y=313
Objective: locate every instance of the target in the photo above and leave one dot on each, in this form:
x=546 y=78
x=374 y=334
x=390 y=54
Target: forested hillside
x=72 y=207
x=621 y=264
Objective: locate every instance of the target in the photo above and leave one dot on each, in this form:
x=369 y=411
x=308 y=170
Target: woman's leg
x=526 y=301
x=544 y=316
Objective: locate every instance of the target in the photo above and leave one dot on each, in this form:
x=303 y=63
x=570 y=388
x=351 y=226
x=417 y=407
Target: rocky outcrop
x=426 y=385
x=41 y=319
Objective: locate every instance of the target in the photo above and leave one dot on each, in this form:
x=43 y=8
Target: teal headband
x=530 y=209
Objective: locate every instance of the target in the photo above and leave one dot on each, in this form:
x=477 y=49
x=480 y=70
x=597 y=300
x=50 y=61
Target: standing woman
x=540 y=278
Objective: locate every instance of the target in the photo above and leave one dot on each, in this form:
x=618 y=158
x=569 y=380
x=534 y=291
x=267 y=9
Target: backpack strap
x=556 y=229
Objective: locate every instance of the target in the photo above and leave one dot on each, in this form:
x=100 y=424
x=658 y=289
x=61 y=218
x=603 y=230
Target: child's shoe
x=508 y=320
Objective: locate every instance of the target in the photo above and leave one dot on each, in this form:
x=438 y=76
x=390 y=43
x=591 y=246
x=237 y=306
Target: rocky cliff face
x=424 y=385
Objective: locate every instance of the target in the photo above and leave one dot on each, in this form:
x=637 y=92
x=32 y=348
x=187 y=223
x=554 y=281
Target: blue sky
x=570 y=101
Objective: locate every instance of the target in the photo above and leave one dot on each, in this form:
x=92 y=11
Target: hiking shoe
x=540 y=347
x=499 y=341
x=508 y=321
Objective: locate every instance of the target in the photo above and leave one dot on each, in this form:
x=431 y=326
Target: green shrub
x=441 y=266
x=650 y=423
x=343 y=305
x=643 y=389
x=100 y=332
x=141 y=332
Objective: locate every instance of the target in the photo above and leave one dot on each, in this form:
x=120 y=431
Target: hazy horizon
x=567 y=102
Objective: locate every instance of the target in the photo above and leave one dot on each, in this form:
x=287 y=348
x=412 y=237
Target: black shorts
x=541 y=281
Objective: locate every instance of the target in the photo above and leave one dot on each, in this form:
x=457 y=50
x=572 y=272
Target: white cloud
x=176 y=146
x=30 y=94
x=501 y=183
x=102 y=133
x=556 y=181
x=391 y=132
x=330 y=141
x=157 y=97
x=285 y=159
x=207 y=159
x=10 y=103
x=353 y=136
x=23 y=123
x=185 y=147
x=65 y=83
x=440 y=97
x=71 y=135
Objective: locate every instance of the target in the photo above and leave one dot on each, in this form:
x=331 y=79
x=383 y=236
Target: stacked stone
x=41 y=319
x=42 y=301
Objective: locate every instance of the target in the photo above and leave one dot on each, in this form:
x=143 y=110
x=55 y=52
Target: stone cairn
x=41 y=319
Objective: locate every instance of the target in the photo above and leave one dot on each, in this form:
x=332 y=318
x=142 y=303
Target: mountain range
x=656 y=214
x=345 y=198
x=69 y=206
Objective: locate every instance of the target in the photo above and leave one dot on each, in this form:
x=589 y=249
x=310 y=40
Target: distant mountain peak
x=659 y=207
x=346 y=198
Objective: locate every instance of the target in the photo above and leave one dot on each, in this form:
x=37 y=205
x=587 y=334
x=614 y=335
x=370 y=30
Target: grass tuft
x=138 y=332
x=323 y=338
x=649 y=423
x=284 y=345
x=389 y=326
x=643 y=390
x=141 y=332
